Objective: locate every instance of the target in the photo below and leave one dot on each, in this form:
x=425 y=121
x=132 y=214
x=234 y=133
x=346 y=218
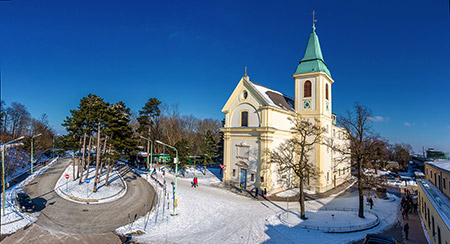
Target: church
x=256 y=120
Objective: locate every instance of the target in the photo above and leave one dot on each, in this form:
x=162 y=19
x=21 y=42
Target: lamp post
x=176 y=177
x=3 y=169
x=53 y=146
x=32 y=150
x=151 y=153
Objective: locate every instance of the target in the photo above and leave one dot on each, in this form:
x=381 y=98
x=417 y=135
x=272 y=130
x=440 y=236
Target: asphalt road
x=63 y=221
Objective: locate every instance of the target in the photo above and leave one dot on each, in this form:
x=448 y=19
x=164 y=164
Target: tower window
x=244 y=118
x=326 y=91
x=307 y=89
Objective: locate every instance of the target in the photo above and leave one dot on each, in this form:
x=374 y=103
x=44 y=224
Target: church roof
x=312 y=60
x=274 y=98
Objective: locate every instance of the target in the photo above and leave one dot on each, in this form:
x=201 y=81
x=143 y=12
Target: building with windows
x=434 y=201
x=436 y=155
x=256 y=120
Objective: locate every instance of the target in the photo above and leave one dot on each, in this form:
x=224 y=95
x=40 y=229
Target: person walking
x=195 y=182
x=406 y=230
x=370 y=202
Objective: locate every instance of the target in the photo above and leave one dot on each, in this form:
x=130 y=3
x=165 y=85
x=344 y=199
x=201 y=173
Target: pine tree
x=120 y=134
x=209 y=149
x=98 y=115
x=148 y=113
x=184 y=150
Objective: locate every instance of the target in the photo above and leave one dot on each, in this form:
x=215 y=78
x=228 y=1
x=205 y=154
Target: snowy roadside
x=72 y=191
x=13 y=219
x=215 y=215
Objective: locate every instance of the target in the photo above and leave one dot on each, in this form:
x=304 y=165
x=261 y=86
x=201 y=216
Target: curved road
x=79 y=222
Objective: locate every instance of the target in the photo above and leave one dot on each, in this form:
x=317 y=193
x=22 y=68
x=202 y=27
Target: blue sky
x=393 y=56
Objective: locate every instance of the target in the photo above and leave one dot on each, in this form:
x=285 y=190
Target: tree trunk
x=82 y=159
x=148 y=149
x=360 y=191
x=107 y=174
x=301 y=199
x=103 y=152
x=78 y=161
x=88 y=158
x=98 y=158
x=73 y=166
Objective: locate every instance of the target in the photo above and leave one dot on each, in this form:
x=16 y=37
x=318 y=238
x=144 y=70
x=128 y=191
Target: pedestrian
x=406 y=230
x=256 y=194
x=370 y=202
x=195 y=182
x=403 y=213
x=240 y=187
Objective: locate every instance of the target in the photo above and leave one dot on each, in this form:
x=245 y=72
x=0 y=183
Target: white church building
x=256 y=120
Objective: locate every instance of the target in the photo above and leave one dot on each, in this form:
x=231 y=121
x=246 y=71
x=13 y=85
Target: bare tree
x=18 y=117
x=362 y=141
x=402 y=154
x=294 y=155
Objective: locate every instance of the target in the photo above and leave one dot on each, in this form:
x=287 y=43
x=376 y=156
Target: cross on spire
x=314 y=16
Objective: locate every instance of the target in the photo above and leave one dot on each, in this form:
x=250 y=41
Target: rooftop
x=274 y=98
x=443 y=165
x=438 y=199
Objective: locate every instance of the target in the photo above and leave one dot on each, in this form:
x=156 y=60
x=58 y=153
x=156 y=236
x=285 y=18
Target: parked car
x=379 y=239
x=23 y=202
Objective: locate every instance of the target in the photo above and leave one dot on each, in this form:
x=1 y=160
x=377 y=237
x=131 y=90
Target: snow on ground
x=72 y=191
x=293 y=192
x=13 y=219
x=216 y=215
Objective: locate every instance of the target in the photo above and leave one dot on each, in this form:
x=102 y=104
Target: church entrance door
x=243 y=179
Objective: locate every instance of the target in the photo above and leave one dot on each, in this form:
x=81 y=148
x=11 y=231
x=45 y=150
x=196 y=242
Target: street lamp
x=40 y=134
x=3 y=168
x=175 y=201
x=151 y=153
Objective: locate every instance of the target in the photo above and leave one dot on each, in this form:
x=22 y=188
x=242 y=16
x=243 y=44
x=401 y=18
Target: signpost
x=67 y=182
x=87 y=181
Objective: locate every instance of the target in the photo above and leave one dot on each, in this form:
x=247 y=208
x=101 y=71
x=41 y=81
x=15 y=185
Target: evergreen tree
x=184 y=151
x=99 y=117
x=146 y=120
x=120 y=134
x=209 y=149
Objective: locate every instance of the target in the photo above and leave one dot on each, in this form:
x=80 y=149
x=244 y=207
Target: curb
x=344 y=229
x=93 y=201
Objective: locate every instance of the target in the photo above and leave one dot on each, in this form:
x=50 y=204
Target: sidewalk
x=416 y=234
x=308 y=197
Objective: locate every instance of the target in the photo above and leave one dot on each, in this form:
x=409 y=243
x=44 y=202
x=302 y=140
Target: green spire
x=313 y=59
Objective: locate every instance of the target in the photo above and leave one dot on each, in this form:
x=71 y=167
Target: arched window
x=307 y=89
x=244 y=118
x=326 y=91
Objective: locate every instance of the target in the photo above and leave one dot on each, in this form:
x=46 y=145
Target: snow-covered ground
x=215 y=215
x=72 y=191
x=13 y=219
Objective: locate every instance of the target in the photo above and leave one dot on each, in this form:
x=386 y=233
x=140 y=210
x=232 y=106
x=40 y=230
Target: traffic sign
x=88 y=180
x=67 y=176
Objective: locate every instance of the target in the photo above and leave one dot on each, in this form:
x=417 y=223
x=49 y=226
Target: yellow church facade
x=257 y=121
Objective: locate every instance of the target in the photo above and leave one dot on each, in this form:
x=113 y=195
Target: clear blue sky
x=393 y=56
